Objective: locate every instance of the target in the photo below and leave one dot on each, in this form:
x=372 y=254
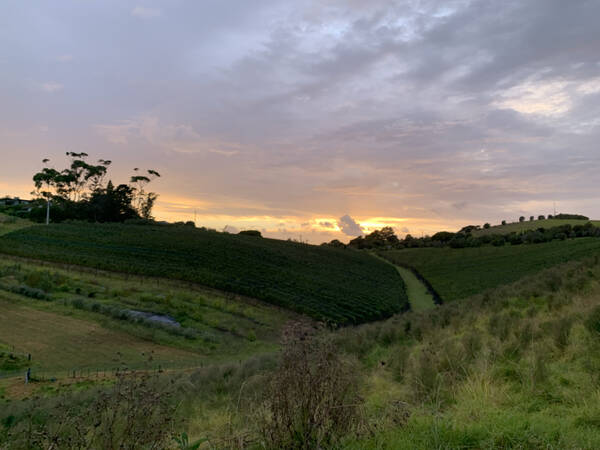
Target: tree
x=540 y=217
x=486 y=226
x=522 y=219
x=79 y=192
x=531 y=218
x=504 y=222
x=144 y=201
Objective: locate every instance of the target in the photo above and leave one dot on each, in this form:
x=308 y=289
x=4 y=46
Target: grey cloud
x=297 y=109
x=349 y=226
x=326 y=224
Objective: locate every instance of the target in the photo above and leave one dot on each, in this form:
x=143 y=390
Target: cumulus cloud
x=349 y=226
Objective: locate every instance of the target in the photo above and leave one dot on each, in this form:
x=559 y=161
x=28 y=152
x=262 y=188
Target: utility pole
x=48 y=212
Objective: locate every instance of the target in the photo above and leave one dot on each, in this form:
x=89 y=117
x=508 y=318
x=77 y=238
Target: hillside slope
x=342 y=286
x=459 y=273
x=529 y=225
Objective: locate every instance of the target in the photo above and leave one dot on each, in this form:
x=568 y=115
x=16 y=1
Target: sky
x=313 y=119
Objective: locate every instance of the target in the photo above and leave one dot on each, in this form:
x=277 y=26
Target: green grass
x=342 y=286
x=11 y=223
x=219 y=326
x=513 y=389
x=418 y=296
x=459 y=273
x=518 y=227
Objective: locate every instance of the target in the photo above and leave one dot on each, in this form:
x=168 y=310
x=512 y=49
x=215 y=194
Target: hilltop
x=530 y=225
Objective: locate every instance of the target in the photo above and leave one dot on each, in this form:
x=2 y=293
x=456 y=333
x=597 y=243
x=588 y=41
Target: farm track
x=419 y=296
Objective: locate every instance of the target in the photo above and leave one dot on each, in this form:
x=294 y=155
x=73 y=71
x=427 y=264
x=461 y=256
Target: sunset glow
x=288 y=117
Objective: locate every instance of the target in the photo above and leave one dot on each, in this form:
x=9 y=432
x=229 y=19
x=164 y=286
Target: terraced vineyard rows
x=343 y=286
x=459 y=273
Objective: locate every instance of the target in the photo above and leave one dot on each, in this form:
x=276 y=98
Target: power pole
x=48 y=212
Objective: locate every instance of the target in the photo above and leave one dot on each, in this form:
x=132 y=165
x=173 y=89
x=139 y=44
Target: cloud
x=326 y=224
x=404 y=230
x=429 y=111
x=348 y=226
x=145 y=13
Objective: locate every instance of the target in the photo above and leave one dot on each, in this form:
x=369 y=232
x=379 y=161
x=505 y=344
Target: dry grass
x=61 y=343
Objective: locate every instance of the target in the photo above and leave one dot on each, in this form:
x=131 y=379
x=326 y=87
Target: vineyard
x=341 y=286
x=459 y=273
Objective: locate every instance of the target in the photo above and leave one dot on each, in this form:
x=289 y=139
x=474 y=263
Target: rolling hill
x=337 y=285
x=518 y=227
x=459 y=273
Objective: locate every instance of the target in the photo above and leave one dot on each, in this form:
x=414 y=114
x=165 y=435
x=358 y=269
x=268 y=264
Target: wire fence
x=40 y=374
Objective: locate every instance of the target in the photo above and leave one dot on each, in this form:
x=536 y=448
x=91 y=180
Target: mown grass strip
x=460 y=273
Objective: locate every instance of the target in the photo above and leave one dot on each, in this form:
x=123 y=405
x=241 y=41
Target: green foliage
x=254 y=233
x=341 y=286
x=462 y=272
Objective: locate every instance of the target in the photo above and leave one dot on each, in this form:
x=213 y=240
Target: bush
x=312 y=399
x=254 y=233
x=138 y=411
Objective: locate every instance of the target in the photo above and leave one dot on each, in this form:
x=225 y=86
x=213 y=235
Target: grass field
x=518 y=227
x=10 y=223
x=60 y=343
x=459 y=273
x=214 y=325
x=342 y=286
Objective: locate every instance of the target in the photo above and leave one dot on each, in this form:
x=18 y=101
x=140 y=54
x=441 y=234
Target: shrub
x=254 y=233
x=138 y=411
x=312 y=399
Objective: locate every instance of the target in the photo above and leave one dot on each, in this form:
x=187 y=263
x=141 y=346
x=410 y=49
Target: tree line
x=387 y=239
x=83 y=191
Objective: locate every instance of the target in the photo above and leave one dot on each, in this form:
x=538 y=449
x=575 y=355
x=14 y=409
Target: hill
x=342 y=286
x=458 y=273
x=518 y=227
